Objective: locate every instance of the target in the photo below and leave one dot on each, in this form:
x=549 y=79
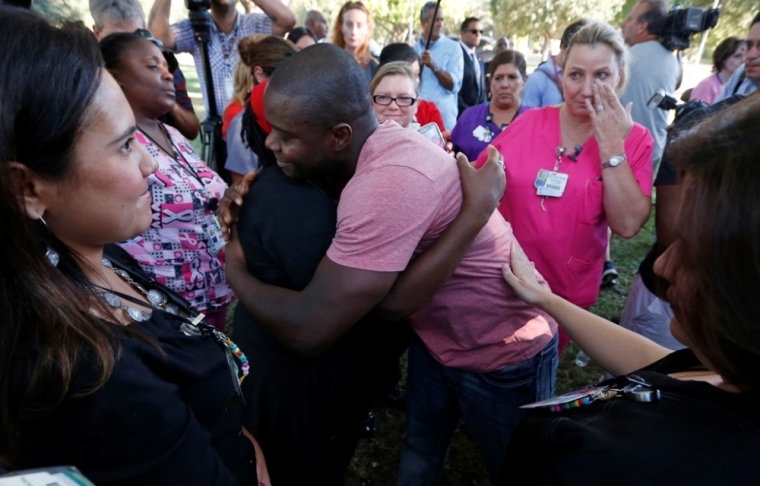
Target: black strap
x=739 y=82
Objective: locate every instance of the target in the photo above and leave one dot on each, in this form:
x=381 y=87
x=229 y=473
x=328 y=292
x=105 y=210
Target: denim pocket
x=514 y=376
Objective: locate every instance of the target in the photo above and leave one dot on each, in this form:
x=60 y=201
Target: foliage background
x=526 y=20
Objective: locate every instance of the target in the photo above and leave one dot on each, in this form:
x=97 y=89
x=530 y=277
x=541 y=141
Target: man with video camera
x=228 y=27
x=652 y=67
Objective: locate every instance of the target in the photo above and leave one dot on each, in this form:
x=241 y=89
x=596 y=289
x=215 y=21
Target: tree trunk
x=545 y=49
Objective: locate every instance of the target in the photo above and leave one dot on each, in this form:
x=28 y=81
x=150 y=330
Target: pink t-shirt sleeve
x=638 y=147
x=382 y=217
x=707 y=90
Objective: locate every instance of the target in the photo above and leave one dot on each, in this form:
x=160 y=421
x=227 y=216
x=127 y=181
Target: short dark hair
x=309 y=77
x=725 y=49
x=467 y=22
x=398 y=52
x=299 y=32
x=113 y=46
x=755 y=20
x=570 y=31
x=654 y=16
x=508 y=57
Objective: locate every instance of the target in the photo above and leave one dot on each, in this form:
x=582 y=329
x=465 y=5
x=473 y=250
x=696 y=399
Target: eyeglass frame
x=392 y=99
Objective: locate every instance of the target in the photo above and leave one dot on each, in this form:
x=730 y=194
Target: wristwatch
x=436 y=68
x=614 y=161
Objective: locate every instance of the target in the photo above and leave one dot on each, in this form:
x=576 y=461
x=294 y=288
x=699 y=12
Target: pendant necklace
x=194 y=327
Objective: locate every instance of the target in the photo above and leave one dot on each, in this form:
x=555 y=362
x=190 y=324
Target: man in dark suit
x=473 y=90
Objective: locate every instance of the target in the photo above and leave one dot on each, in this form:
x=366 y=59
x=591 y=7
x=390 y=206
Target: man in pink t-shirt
x=481 y=351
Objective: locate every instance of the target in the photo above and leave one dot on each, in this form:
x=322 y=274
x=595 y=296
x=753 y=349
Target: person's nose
x=165 y=74
x=272 y=142
x=588 y=87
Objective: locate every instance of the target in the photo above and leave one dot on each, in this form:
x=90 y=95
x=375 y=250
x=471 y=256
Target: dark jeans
x=438 y=397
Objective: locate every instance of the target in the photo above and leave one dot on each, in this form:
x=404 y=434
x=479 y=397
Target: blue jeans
x=438 y=397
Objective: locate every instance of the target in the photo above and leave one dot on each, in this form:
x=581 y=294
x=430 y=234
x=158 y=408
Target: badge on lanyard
x=215 y=236
x=550 y=183
x=229 y=88
x=631 y=387
x=482 y=134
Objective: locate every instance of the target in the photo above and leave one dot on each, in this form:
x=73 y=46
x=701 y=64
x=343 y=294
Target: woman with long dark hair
x=100 y=367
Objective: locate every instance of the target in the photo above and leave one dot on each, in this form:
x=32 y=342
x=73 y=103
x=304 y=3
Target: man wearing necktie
x=473 y=84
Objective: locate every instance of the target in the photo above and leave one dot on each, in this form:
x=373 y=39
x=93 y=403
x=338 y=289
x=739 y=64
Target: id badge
x=229 y=87
x=586 y=394
x=215 y=237
x=550 y=183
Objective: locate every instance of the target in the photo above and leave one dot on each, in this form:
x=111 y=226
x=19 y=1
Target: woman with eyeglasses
x=480 y=124
x=395 y=94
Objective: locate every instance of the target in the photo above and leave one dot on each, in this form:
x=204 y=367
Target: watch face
x=616 y=160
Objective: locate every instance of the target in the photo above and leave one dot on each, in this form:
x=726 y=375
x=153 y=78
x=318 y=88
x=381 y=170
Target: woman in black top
x=703 y=426
x=100 y=368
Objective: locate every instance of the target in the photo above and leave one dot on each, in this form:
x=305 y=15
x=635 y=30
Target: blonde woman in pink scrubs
x=576 y=169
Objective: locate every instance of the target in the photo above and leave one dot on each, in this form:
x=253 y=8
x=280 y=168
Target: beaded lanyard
x=228 y=44
x=194 y=327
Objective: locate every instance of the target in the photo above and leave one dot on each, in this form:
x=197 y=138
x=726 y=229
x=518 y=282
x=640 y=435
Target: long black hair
x=48 y=79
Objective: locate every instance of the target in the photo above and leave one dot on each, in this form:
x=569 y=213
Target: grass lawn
x=376 y=459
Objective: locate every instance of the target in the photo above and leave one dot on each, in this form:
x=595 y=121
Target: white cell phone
x=433 y=133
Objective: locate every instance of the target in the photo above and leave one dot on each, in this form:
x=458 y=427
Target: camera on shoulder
x=682 y=23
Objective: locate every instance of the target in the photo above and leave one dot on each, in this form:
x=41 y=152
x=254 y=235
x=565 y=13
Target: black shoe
x=368 y=427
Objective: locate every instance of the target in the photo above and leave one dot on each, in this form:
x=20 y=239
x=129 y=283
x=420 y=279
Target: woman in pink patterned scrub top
x=182 y=249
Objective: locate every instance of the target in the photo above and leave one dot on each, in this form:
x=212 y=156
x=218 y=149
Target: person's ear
x=96 y=31
x=342 y=135
x=643 y=28
x=258 y=74
x=35 y=192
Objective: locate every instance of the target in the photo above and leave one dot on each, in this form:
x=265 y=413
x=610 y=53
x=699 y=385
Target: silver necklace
x=155 y=297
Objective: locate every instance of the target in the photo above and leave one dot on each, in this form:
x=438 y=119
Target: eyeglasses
x=146 y=34
x=401 y=101
x=475 y=31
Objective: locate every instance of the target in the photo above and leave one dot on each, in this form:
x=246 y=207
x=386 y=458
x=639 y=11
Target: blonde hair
x=595 y=33
x=394 y=68
x=242 y=80
x=337 y=34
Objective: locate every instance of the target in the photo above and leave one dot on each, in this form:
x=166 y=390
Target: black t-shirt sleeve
x=286 y=228
x=140 y=427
